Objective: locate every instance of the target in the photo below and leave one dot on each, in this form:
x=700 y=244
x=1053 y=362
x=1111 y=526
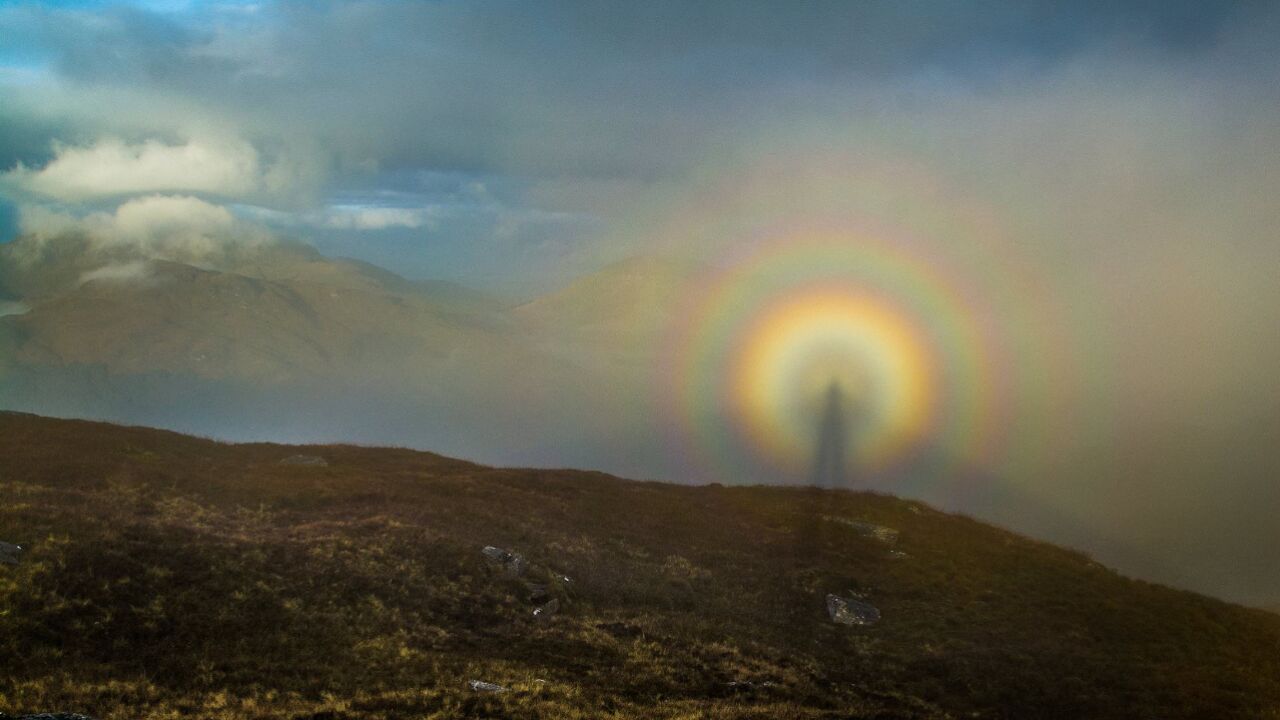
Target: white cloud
x=351 y=217
x=161 y=215
x=363 y=217
x=45 y=222
x=113 y=168
x=180 y=228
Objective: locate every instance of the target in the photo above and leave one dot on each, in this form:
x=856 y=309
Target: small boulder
x=538 y=592
x=9 y=553
x=751 y=684
x=486 y=687
x=547 y=609
x=851 y=611
x=513 y=564
x=305 y=460
x=880 y=533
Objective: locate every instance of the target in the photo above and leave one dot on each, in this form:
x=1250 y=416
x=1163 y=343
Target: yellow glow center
x=798 y=349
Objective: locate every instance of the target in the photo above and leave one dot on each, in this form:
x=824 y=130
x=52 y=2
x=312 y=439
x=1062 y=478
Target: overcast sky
x=467 y=139
x=1124 y=157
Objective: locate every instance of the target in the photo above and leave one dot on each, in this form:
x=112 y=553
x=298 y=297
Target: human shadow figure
x=830 y=470
x=818 y=540
x=830 y=467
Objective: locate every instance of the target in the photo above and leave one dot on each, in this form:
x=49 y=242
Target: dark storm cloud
x=554 y=88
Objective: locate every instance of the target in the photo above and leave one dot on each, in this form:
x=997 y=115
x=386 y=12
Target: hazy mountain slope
x=310 y=267
x=225 y=325
x=276 y=313
x=623 y=307
x=257 y=338
x=168 y=575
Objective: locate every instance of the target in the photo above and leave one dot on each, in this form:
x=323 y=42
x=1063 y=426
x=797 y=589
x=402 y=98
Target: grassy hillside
x=169 y=576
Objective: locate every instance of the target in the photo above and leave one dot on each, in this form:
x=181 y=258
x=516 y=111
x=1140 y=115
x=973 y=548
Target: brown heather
x=168 y=576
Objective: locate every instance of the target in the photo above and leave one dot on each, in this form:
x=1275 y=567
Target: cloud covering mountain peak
x=167 y=227
x=111 y=167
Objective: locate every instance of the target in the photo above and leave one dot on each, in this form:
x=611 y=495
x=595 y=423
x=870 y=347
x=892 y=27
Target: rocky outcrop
x=851 y=611
x=10 y=553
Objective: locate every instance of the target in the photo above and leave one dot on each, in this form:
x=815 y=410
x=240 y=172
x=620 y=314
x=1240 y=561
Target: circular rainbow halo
x=770 y=336
x=825 y=337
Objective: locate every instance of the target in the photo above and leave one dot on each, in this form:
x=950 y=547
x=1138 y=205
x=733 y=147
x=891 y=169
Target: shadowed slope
x=167 y=574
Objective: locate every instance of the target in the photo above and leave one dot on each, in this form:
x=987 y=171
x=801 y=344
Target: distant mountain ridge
x=260 y=338
x=636 y=295
x=270 y=313
x=281 y=311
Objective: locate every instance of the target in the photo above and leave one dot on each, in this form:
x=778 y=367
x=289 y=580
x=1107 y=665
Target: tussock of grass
x=169 y=576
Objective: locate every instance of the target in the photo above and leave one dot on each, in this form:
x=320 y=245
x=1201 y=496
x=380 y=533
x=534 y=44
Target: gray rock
x=886 y=535
x=751 y=684
x=513 y=564
x=851 y=611
x=488 y=687
x=9 y=553
x=538 y=592
x=546 y=610
x=307 y=460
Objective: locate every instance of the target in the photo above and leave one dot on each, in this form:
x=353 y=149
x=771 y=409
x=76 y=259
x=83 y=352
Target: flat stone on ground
x=851 y=611
x=307 y=460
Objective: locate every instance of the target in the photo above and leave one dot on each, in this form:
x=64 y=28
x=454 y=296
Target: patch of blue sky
x=23 y=74
x=157 y=6
x=21 y=51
